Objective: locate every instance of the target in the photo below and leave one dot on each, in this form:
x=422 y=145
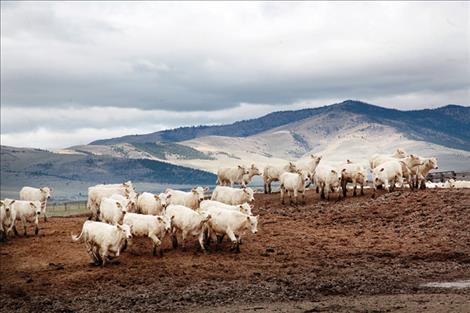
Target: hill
x=448 y=126
x=35 y=167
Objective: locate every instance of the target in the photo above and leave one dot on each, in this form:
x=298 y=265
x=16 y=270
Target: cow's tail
x=76 y=238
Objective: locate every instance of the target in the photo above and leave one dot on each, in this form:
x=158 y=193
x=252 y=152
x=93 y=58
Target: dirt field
x=356 y=255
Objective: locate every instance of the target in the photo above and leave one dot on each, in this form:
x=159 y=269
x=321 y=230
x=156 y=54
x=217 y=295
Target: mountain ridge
x=447 y=125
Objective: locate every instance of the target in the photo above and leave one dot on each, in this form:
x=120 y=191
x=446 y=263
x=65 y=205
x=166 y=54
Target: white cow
x=103 y=241
x=112 y=211
x=252 y=171
x=377 y=159
x=190 y=199
x=231 y=175
x=96 y=193
x=353 y=173
x=294 y=183
x=26 y=212
x=409 y=168
x=148 y=203
x=245 y=208
x=154 y=227
x=37 y=194
x=388 y=174
x=273 y=173
x=231 y=223
x=451 y=183
x=186 y=222
x=422 y=171
x=327 y=179
x=7 y=218
x=308 y=164
x=233 y=196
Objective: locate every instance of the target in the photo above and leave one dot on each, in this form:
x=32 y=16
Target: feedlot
x=361 y=254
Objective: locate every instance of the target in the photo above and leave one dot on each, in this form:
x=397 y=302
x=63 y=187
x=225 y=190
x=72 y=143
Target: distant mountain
x=447 y=126
x=24 y=166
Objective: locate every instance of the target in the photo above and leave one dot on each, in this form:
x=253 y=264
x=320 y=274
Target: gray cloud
x=147 y=60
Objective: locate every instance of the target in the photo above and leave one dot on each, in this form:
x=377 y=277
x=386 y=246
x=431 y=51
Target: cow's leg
x=386 y=184
x=343 y=186
x=44 y=211
x=156 y=243
x=25 y=226
x=295 y=195
x=322 y=192
x=317 y=189
x=103 y=254
x=233 y=238
x=265 y=185
x=362 y=189
x=269 y=186
x=201 y=241
x=184 y=234
x=355 y=188
x=282 y=195
x=14 y=230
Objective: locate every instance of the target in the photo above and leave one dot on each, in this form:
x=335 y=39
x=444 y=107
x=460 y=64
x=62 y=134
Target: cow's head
x=46 y=192
x=400 y=153
x=316 y=158
x=291 y=167
x=121 y=207
x=254 y=170
x=249 y=193
x=199 y=192
x=126 y=230
x=432 y=163
x=253 y=220
x=165 y=221
x=36 y=208
x=245 y=208
x=7 y=205
x=163 y=199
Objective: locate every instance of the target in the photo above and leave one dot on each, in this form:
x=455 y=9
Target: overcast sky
x=73 y=72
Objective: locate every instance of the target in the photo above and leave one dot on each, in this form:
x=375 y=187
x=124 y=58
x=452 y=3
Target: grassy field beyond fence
x=66 y=208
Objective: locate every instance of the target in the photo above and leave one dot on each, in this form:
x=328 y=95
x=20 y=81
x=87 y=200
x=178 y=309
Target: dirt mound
x=361 y=246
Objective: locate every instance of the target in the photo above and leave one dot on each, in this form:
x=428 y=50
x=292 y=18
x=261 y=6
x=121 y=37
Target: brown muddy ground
x=361 y=254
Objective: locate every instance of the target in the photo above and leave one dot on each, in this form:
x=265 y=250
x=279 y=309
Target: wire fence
x=66 y=208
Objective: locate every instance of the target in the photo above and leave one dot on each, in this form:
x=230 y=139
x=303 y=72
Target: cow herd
x=118 y=213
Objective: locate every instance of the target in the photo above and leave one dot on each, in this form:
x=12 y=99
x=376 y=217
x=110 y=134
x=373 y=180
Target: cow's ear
x=252 y=206
x=42 y=189
x=2 y=202
x=343 y=170
x=255 y=190
x=12 y=202
x=156 y=197
x=118 y=205
x=172 y=217
x=160 y=219
x=32 y=205
x=206 y=189
x=119 y=226
x=382 y=169
x=333 y=171
x=168 y=196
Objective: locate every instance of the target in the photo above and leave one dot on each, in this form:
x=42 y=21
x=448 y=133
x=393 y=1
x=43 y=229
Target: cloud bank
x=72 y=72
